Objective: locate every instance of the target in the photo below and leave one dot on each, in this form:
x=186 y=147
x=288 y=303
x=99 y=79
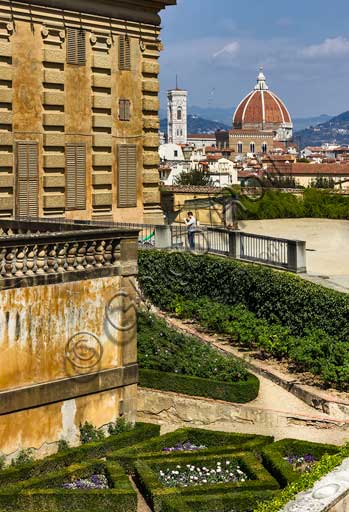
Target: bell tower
x=177 y=111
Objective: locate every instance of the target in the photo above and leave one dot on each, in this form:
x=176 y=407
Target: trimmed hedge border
x=238 y=501
x=216 y=443
x=284 y=473
x=237 y=392
x=46 y=492
x=268 y=293
x=327 y=464
x=154 y=492
x=74 y=455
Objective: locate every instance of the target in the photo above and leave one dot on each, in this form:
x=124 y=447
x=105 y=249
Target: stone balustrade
x=58 y=252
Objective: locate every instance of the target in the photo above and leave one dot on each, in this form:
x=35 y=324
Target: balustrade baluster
x=81 y=256
x=90 y=254
x=19 y=263
x=2 y=262
x=31 y=260
x=108 y=253
x=61 y=257
x=9 y=261
x=52 y=259
x=71 y=256
x=41 y=259
x=99 y=257
x=116 y=252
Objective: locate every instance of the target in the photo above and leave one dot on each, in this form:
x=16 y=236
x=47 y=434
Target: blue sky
x=216 y=47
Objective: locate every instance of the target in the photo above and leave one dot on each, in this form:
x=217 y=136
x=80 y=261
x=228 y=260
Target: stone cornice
x=142 y=11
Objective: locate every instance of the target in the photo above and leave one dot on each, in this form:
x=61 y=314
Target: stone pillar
x=234 y=244
x=163 y=239
x=296 y=256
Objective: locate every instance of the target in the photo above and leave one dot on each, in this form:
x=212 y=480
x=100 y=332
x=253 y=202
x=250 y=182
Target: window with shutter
x=75 y=183
x=27 y=181
x=127 y=175
x=124 y=52
x=124 y=110
x=76 y=46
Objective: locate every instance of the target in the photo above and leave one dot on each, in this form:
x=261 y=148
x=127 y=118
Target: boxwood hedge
x=215 y=443
x=45 y=492
x=154 y=492
x=273 y=457
x=269 y=293
x=237 y=392
x=84 y=452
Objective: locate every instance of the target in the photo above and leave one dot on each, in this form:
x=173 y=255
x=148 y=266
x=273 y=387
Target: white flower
x=227 y=462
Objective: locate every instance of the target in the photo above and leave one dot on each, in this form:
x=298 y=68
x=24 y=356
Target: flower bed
x=49 y=492
x=98 y=481
x=285 y=458
x=84 y=452
x=215 y=443
x=184 y=447
x=174 y=362
x=191 y=475
x=148 y=473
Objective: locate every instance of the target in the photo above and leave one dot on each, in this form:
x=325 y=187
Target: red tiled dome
x=261 y=109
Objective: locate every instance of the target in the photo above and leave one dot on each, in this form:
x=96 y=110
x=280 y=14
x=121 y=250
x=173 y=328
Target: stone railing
x=60 y=251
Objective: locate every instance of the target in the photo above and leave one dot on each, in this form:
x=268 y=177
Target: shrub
x=84 y=452
x=120 y=426
x=327 y=464
x=63 y=445
x=2 y=462
x=24 y=456
x=90 y=434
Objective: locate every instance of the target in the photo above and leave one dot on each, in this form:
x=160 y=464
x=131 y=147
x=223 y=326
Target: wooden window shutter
x=75 y=188
x=76 y=46
x=27 y=179
x=124 y=110
x=124 y=52
x=127 y=175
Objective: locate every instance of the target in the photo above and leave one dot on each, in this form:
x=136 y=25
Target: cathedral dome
x=261 y=109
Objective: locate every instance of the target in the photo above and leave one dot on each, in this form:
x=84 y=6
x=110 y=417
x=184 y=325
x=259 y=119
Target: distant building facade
x=260 y=119
x=177 y=116
x=79 y=118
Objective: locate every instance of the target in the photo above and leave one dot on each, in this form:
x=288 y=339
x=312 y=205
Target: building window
x=124 y=53
x=240 y=147
x=175 y=152
x=127 y=175
x=27 y=179
x=179 y=114
x=177 y=133
x=181 y=133
x=124 y=110
x=76 y=46
x=75 y=176
x=252 y=147
x=264 y=147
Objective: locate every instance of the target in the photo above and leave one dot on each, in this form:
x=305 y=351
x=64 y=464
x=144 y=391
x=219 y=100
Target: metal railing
x=264 y=249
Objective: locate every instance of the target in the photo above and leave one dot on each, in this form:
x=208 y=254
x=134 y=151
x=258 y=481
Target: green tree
x=194 y=177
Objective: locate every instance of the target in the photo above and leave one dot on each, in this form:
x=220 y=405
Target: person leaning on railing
x=191 y=223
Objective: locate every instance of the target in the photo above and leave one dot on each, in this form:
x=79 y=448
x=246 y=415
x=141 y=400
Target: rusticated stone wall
x=44 y=99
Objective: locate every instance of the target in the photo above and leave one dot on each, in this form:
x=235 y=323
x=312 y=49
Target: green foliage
x=46 y=493
x=90 y=434
x=215 y=442
x=314 y=203
x=194 y=177
x=164 y=349
x=84 y=452
x=63 y=445
x=279 y=313
x=121 y=425
x=273 y=457
x=2 y=462
x=327 y=464
x=23 y=457
x=322 y=182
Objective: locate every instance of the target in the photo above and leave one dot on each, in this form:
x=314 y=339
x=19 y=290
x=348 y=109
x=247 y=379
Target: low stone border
x=317 y=399
x=329 y=494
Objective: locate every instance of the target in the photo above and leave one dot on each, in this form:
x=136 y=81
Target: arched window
x=252 y=147
x=181 y=133
x=240 y=147
x=179 y=113
x=264 y=147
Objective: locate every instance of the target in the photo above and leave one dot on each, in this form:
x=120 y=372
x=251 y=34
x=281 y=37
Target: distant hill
x=335 y=130
x=197 y=124
x=301 y=123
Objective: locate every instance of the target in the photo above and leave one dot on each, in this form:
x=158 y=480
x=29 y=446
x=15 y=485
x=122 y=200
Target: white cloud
x=232 y=49
x=334 y=47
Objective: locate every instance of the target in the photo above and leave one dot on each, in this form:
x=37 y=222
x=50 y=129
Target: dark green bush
x=215 y=442
x=163 y=349
x=273 y=457
x=258 y=307
x=84 y=452
x=24 y=456
x=90 y=434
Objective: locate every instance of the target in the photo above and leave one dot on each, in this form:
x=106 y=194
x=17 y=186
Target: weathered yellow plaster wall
x=37 y=322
